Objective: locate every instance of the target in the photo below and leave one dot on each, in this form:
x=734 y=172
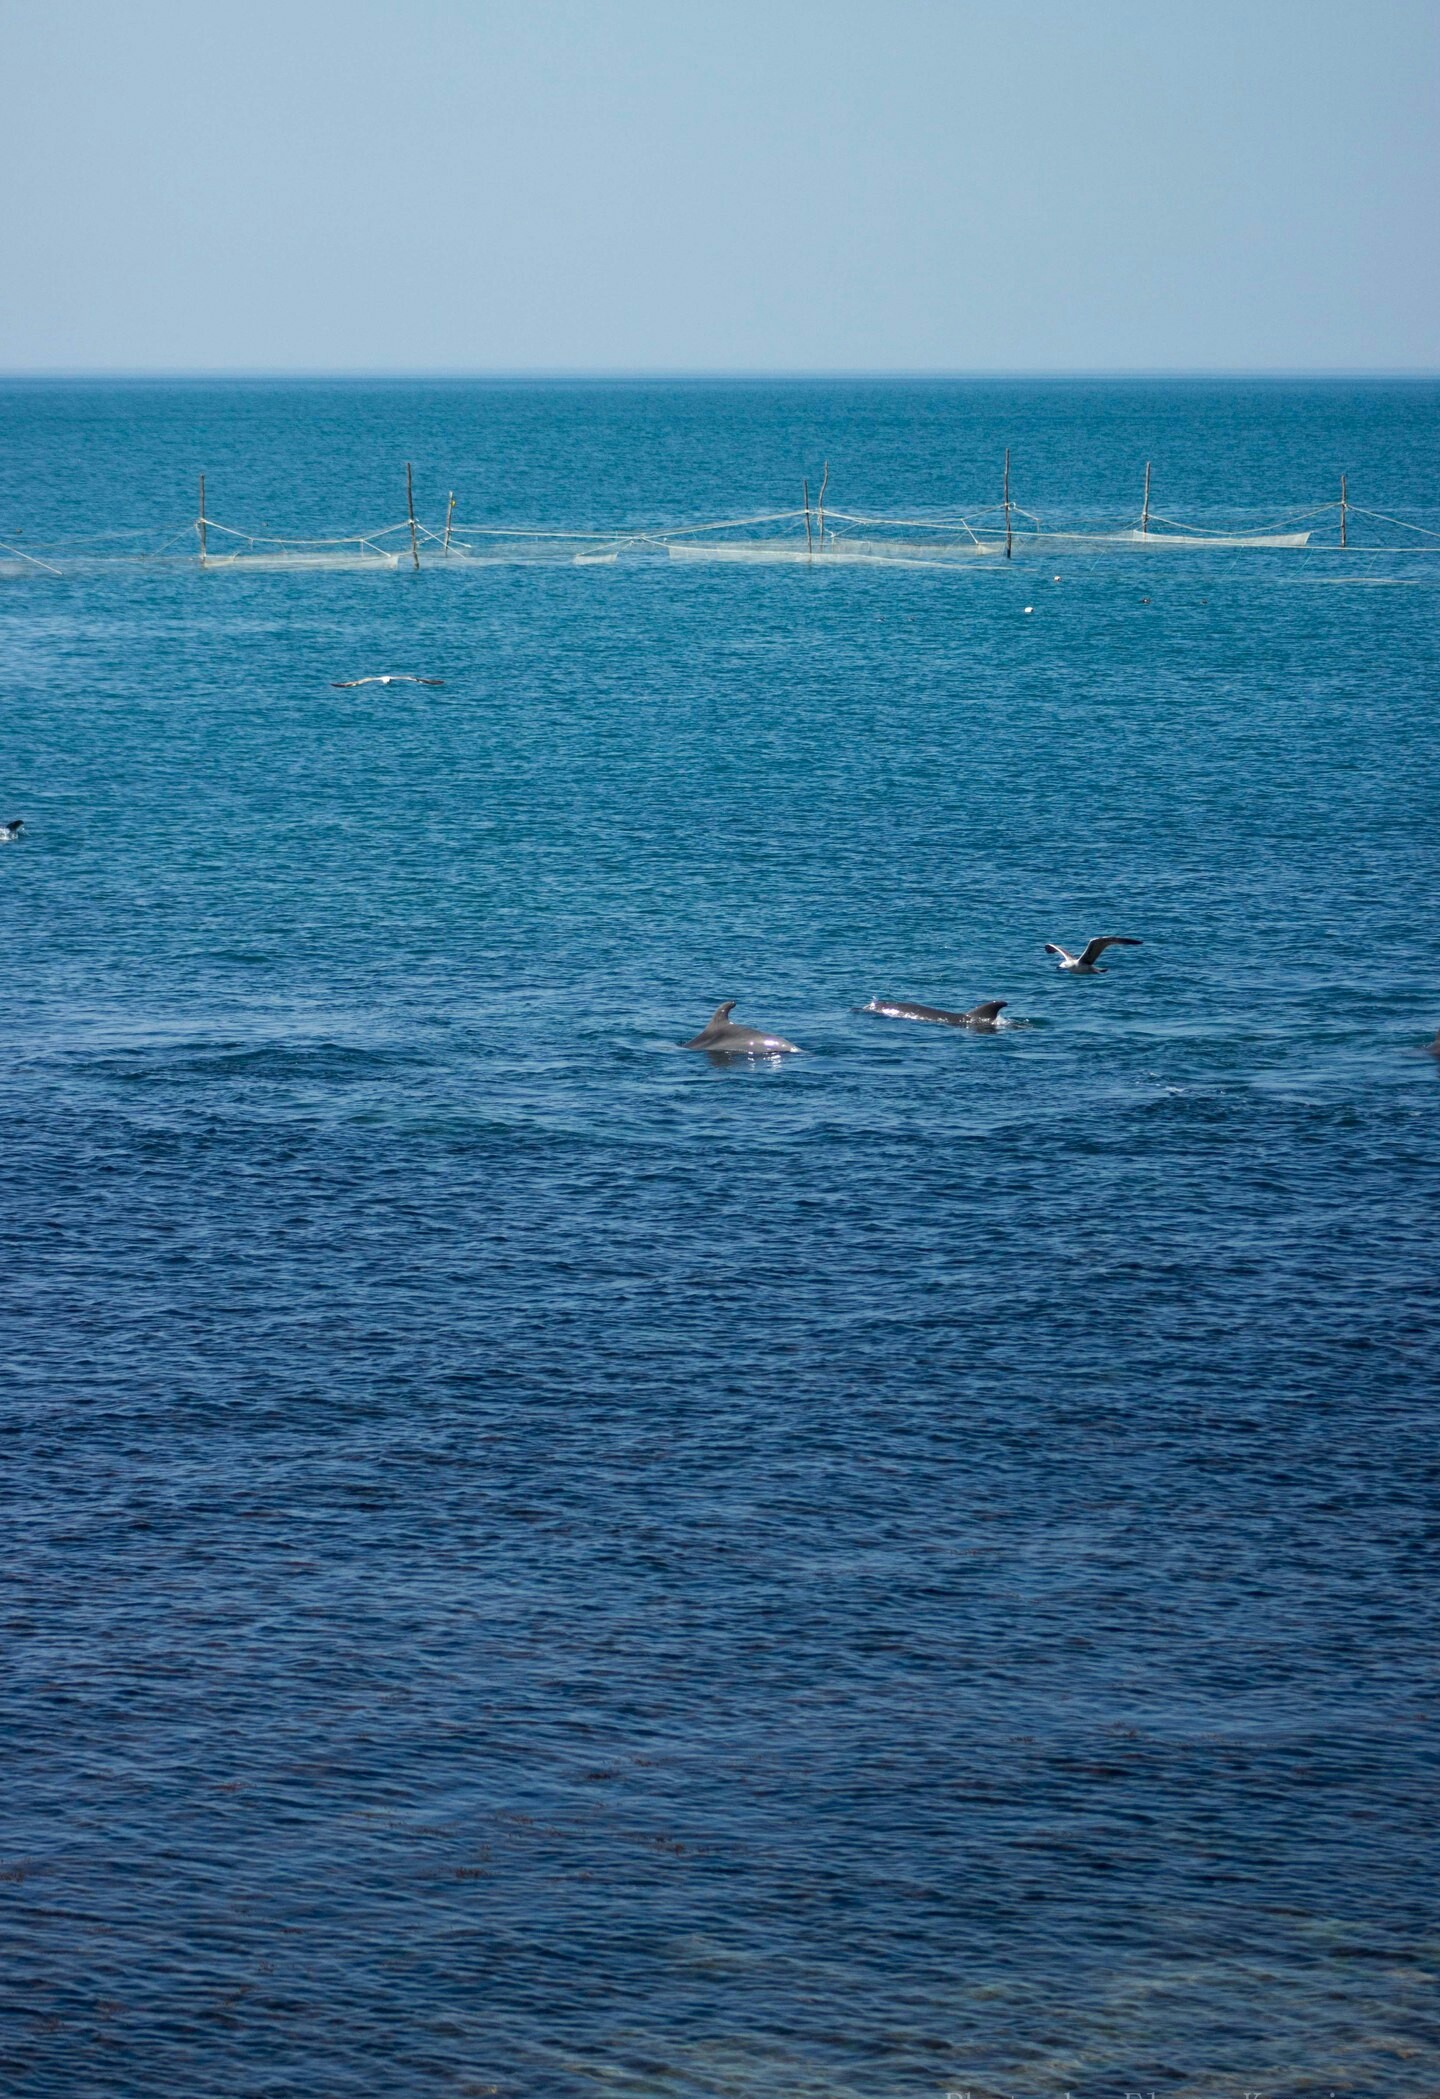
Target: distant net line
x=975 y=538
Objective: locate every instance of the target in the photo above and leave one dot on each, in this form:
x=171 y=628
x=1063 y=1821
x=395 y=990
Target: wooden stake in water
x=1145 y=511
x=823 y=479
x=1007 y=502
x=1344 y=507
x=809 y=544
x=200 y=521
x=410 y=500
x=449 y=515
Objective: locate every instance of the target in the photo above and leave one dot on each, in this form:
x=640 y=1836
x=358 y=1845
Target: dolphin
x=11 y=831
x=389 y=678
x=725 y=1038
x=985 y=1018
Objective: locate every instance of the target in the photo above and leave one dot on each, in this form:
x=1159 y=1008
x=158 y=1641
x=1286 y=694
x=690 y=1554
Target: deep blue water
x=538 y=1565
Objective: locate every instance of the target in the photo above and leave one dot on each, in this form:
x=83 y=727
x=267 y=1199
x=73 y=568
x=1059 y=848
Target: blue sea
x=541 y=1565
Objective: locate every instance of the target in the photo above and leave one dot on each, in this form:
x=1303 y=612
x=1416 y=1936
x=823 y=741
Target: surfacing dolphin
x=11 y=831
x=390 y=678
x=724 y=1037
x=1087 y=962
x=984 y=1019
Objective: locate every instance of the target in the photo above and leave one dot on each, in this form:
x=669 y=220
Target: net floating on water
x=301 y=561
x=985 y=539
x=854 y=552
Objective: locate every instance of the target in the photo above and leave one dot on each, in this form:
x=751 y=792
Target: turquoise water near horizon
x=542 y=1565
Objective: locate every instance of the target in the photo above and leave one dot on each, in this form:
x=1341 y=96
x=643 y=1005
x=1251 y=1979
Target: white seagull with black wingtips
x=1087 y=962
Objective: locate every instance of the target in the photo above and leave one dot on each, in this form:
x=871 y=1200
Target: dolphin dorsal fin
x=721 y=1014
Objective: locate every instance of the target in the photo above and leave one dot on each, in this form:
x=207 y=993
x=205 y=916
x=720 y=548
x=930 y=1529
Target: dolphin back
x=910 y=1009
x=725 y=1036
x=717 y=1025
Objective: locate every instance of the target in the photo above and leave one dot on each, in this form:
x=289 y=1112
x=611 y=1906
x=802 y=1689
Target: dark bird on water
x=11 y=831
x=1087 y=962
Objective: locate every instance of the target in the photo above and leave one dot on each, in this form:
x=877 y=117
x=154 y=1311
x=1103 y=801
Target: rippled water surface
x=539 y=1565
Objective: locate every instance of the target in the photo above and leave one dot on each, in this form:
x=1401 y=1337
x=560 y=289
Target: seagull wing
x=1094 y=949
x=1051 y=949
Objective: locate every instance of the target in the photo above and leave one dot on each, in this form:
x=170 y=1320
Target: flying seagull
x=394 y=678
x=1087 y=962
x=11 y=831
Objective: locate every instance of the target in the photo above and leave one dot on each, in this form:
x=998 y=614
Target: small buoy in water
x=1144 y=601
x=1029 y=608
x=1054 y=579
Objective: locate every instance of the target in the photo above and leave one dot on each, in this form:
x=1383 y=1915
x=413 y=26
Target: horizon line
x=740 y=375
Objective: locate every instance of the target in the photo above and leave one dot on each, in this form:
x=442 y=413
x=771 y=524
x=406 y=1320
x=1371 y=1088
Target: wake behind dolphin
x=726 y=1038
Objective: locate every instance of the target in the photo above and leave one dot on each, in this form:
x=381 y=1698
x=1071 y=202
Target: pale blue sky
x=740 y=185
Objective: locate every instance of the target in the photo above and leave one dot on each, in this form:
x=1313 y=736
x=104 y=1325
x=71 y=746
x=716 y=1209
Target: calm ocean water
x=539 y=1566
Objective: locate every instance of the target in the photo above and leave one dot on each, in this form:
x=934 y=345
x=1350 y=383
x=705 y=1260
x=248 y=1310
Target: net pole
x=200 y=521
x=410 y=505
x=1007 y=502
x=1344 y=507
x=1145 y=508
x=809 y=543
x=824 y=478
x=449 y=518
